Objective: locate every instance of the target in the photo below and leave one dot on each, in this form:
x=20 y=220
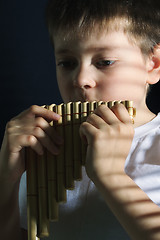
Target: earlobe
x=154 y=66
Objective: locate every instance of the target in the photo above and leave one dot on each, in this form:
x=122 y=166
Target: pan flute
x=49 y=176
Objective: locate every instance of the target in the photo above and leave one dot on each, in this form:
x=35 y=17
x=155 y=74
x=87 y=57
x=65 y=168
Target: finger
x=106 y=114
x=25 y=126
x=96 y=120
x=88 y=132
x=121 y=113
x=35 y=145
x=37 y=111
x=37 y=142
x=21 y=141
x=39 y=128
x=49 y=130
x=45 y=140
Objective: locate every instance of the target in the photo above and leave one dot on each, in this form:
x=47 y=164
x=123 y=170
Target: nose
x=84 y=77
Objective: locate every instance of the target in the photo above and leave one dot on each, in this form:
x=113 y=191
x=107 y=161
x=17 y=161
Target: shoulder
x=145 y=147
x=148 y=130
x=143 y=161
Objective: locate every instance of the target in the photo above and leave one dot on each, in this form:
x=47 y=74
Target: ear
x=153 y=66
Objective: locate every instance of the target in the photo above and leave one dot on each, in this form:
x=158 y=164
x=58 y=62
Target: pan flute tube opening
x=32 y=194
x=61 y=191
x=111 y=104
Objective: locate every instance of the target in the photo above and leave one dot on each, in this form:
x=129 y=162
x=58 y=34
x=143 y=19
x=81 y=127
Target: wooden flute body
x=49 y=176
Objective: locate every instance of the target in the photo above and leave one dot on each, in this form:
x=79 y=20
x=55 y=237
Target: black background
x=27 y=68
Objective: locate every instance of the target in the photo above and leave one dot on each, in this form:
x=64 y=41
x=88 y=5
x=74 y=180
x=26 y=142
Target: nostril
x=81 y=85
x=87 y=87
x=84 y=80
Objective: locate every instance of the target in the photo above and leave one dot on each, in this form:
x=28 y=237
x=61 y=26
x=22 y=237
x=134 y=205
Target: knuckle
x=31 y=140
x=37 y=131
x=101 y=108
x=83 y=127
x=33 y=108
x=10 y=125
x=92 y=118
x=40 y=121
x=8 y=128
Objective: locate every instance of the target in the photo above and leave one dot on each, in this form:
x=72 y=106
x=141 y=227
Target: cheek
x=124 y=84
x=64 y=87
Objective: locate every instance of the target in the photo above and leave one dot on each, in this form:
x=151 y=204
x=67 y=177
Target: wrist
x=107 y=172
x=116 y=185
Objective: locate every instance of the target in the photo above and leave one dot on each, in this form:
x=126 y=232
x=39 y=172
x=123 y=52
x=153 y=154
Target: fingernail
x=56 y=116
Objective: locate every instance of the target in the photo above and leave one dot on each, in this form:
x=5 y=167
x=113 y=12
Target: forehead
x=106 y=40
x=97 y=31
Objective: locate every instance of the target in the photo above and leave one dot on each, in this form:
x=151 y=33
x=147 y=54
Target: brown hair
x=140 y=19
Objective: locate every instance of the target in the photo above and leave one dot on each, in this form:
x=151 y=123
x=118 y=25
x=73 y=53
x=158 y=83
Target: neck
x=143 y=116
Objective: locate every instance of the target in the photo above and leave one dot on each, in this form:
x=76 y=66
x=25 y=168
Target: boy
x=104 y=50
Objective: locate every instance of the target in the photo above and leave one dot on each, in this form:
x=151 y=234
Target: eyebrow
x=63 y=51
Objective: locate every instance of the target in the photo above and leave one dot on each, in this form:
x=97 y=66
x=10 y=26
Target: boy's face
x=105 y=67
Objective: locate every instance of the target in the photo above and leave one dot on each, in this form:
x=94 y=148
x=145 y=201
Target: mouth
x=83 y=100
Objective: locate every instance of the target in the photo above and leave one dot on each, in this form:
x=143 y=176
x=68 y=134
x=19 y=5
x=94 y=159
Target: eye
x=67 y=64
x=104 y=63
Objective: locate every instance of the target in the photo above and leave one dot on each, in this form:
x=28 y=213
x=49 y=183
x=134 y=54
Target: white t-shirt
x=86 y=216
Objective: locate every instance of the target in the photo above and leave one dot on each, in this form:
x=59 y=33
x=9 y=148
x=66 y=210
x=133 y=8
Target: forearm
x=9 y=213
x=135 y=211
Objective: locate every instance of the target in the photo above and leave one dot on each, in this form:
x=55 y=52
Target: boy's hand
x=109 y=134
x=29 y=129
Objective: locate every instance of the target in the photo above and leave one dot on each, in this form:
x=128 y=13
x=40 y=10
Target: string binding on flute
x=49 y=176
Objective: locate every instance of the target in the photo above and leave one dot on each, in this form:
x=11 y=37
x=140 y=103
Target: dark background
x=27 y=71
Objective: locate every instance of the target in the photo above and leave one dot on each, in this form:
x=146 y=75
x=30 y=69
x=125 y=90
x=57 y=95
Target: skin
x=30 y=128
x=107 y=67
